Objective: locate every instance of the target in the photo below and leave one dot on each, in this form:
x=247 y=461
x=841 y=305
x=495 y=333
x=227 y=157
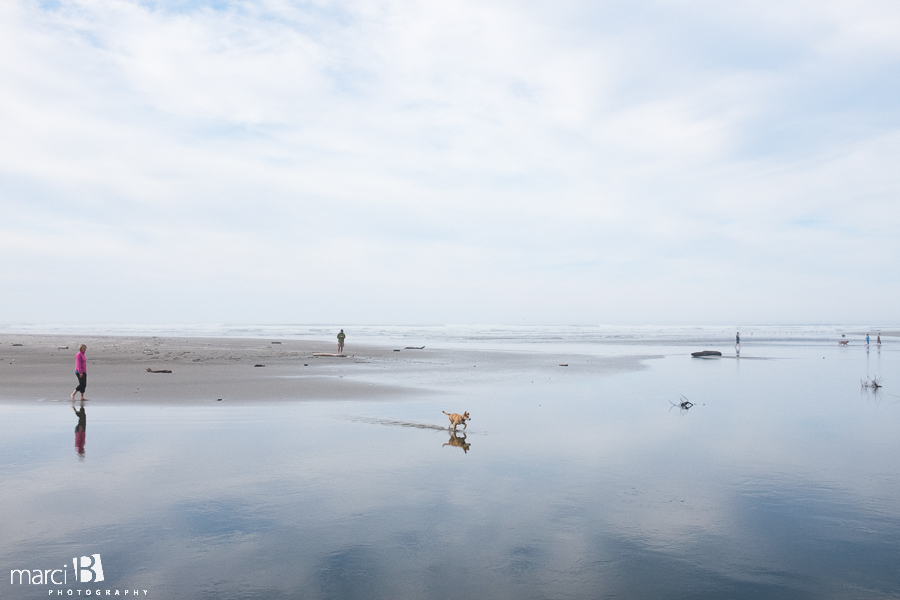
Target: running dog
x=456 y=420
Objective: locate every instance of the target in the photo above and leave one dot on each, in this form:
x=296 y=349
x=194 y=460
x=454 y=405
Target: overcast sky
x=407 y=162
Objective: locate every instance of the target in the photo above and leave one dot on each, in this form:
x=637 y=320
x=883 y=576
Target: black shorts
x=82 y=382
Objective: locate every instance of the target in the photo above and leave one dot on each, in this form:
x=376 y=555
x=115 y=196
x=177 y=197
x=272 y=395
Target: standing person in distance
x=737 y=343
x=80 y=372
x=341 y=337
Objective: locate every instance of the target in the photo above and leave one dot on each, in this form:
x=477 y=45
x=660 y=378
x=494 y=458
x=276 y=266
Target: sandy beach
x=329 y=477
x=40 y=367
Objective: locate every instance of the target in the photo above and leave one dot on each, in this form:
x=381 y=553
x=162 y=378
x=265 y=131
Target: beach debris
x=413 y=348
x=62 y=347
x=873 y=383
x=218 y=399
x=396 y=351
x=305 y=364
x=329 y=354
x=276 y=342
x=564 y=364
x=149 y=370
x=259 y=365
x=703 y=353
x=683 y=403
x=18 y=344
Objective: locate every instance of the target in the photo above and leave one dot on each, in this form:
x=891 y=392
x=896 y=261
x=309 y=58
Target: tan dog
x=457 y=420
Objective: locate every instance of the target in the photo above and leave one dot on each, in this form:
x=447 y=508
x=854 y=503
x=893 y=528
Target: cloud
x=409 y=157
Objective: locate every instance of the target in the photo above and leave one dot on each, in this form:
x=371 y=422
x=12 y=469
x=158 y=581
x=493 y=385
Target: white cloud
x=449 y=162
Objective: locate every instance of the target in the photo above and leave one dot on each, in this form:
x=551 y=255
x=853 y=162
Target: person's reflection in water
x=458 y=441
x=80 y=430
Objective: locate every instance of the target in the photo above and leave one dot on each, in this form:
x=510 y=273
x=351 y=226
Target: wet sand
x=35 y=368
x=569 y=482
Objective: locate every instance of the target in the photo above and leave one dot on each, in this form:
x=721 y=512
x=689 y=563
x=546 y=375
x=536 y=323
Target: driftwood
x=683 y=403
x=149 y=370
x=873 y=383
x=414 y=348
x=706 y=353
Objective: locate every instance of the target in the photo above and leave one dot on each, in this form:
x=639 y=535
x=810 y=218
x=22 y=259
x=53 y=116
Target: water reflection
x=80 y=430
x=870 y=391
x=458 y=441
x=769 y=490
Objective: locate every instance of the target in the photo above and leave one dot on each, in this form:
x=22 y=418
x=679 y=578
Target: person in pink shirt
x=80 y=372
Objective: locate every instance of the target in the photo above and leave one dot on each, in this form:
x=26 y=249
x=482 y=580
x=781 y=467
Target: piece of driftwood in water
x=328 y=354
x=149 y=370
x=564 y=364
x=259 y=365
x=706 y=353
x=683 y=403
x=414 y=348
x=873 y=383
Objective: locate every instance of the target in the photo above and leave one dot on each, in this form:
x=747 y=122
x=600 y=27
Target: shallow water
x=782 y=481
x=551 y=338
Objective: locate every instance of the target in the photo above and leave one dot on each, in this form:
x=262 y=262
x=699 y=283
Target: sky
x=465 y=162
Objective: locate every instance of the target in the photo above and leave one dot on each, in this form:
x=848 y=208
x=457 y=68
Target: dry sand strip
x=126 y=369
x=134 y=369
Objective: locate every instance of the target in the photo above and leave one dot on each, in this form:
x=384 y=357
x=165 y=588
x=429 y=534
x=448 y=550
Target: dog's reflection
x=459 y=441
x=80 y=430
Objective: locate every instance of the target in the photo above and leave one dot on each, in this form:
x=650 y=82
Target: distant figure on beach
x=737 y=343
x=867 y=339
x=80 y=430
x=80 y=372
x=878 y=340
x=341 y=337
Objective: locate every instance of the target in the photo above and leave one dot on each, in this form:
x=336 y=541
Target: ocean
x=780 y=480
